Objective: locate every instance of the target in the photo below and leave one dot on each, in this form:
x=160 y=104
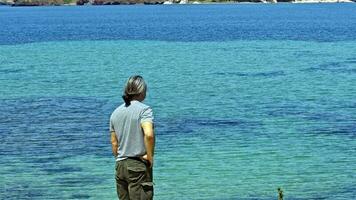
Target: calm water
x=247 y=98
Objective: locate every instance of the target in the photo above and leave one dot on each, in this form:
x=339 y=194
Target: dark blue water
x=318 y=22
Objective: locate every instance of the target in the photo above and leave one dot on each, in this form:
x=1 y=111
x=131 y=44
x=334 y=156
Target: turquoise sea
x=247 y=98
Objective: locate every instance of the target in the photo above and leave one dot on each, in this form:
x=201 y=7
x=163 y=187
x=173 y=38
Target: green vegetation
x=38 y=2
x=118 y=2
x=41 y=2
x=69 y=1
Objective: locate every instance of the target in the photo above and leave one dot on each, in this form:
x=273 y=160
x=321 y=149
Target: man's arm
x=149 y=140
x=114 y=143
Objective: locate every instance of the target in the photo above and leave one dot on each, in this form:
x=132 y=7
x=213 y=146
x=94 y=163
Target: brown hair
x=135 y=86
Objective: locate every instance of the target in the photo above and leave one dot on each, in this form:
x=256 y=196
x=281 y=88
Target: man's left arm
x=114 y=143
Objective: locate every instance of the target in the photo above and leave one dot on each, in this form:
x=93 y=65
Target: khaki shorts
x=134 y=179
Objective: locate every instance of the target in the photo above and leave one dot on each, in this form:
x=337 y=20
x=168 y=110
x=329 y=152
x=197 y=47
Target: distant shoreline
x=29 y=3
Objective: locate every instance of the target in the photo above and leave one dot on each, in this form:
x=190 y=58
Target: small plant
x=280 y=194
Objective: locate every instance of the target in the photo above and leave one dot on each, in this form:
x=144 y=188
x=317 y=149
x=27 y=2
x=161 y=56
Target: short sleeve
x=111 y=126
x=147 y=115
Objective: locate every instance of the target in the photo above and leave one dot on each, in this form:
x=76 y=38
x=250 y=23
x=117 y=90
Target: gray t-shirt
x=126 y=122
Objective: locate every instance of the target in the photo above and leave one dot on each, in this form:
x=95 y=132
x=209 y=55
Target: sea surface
x=247 y=98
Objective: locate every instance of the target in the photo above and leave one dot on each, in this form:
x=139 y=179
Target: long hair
x=135 y=86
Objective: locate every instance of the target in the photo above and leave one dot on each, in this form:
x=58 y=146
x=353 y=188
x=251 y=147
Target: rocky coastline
x=151 y=2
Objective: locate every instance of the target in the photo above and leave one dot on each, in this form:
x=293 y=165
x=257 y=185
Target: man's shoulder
x=117 y=109
x=142 y=105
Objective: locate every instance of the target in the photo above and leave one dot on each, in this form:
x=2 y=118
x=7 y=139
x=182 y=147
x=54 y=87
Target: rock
x=6 y=2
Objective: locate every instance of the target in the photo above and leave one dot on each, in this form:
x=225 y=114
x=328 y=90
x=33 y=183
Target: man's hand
x=149 y=160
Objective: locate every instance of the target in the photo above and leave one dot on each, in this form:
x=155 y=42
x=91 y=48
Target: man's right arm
x=149 y=140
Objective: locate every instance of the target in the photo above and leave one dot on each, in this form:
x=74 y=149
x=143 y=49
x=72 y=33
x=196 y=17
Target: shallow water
x=235 y=119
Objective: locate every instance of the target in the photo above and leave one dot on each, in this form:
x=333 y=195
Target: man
x=133 y=142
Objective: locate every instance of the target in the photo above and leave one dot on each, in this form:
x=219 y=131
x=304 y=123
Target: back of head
x=135 y=89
